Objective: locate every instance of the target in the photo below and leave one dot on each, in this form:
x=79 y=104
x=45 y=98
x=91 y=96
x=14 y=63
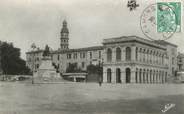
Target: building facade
x=180 y=62
x=33 y=59
x=136 y=60
x=127 y=59
x=82 y=57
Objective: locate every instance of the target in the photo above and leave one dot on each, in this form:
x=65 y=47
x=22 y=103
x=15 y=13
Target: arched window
x=153 y=76
x=136 y=54
x=108 y=75
x=140 y=75
x=144 y=75
x=150 y=76
x=144 y=54
x=128 y=53
x=147 y=78
x=147 y=55
x=128 y=75
x=109 y=55
x=151 y=56
x=118 y=75
x=165 y=76
x=136 y=75
x=118 y=54
x=162 y=59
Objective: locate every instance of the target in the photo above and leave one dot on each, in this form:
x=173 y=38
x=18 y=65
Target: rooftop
x=163 y=42
x=35 y=51
x=80 y=49
x=159 y=43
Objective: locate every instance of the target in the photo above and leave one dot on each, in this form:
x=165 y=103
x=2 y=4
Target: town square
x=91 y=57
x=89 y=98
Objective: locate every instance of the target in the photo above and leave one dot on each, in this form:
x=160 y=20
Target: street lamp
x=32 y=81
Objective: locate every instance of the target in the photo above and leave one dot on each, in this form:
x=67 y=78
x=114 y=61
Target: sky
x=24 y=22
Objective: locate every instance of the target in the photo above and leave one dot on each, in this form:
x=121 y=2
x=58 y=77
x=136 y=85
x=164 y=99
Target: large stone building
x=132 y=59
x=126 y=59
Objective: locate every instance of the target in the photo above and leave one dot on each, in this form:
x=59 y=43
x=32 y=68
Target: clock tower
x=64 y=36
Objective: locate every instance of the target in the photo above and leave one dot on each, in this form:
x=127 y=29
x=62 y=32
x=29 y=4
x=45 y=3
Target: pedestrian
x=100 y=81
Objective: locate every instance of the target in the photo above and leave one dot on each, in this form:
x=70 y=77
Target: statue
x=46 y=51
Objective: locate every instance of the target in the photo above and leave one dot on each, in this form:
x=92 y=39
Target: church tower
x=64 y=36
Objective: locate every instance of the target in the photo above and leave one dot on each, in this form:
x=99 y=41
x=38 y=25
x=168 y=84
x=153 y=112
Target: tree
x=11 y=62
x=94 y=69
x=95 y=73
x=72 y=68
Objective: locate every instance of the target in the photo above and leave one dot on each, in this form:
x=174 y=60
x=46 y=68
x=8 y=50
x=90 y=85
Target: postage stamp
x=161 y=20
x=169 y=16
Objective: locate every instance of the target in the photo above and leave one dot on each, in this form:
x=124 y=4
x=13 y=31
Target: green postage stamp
x=168 y=16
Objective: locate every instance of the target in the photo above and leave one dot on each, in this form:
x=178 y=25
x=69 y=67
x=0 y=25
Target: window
x=128 y=53
x=37 y=66
x=75 y=55
x=144 y=55
x=118 y=54
x=99 y=54
x=69 y=56
x=90 y=54
x=109 y=55
x=58 y=57
x=83 y=64
x=68 y=64
x=81 y=55
x=58 y=66
x=173 y=70
x=136 y=53
x=84 y=55
x=173 y=60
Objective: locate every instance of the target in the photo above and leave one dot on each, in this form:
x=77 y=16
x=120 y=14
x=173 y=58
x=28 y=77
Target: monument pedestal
x=46 y=72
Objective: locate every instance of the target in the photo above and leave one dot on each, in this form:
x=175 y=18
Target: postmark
x=161 y=20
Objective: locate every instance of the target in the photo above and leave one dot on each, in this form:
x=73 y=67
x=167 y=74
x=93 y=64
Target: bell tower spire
x=64 y=36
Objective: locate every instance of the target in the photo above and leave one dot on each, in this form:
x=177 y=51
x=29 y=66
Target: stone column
x=138 y=77
x=133 y=51
x=148 y=80
x=104 y=75
x=138 y=55
x=113 y=54
x=144 y=57
x=152 y=58
x=153 y=77
x=122 y=75
x=113 y=76
x=148 y=57
x=74 y=79
x=123 y=54
x=105 y=55
x=132 y=76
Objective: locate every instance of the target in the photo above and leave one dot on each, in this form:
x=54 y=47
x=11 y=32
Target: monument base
x=46 y=72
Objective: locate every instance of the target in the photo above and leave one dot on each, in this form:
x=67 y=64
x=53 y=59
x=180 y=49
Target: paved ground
x=89 y=98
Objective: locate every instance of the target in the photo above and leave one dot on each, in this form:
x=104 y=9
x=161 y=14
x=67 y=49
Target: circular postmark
x=158 y=22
